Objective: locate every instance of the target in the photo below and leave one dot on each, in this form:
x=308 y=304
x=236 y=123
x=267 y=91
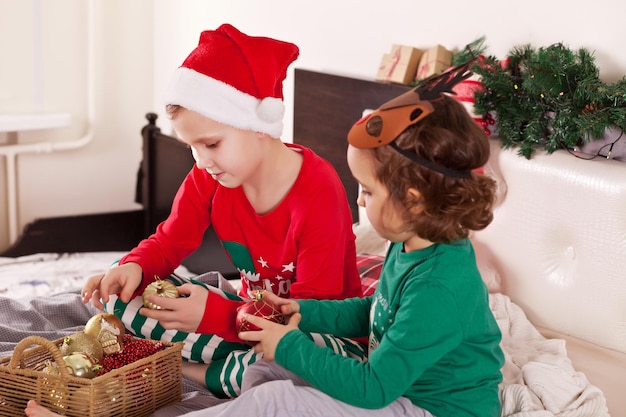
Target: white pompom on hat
x=235 y=79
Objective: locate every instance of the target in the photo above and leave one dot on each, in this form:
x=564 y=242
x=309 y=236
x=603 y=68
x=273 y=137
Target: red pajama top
x=303 y=248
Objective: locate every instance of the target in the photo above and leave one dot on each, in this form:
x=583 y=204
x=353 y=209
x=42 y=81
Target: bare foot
x=35 y=410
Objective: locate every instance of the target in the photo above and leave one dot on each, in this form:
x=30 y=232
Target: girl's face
x=384 y=216
x=229 y=154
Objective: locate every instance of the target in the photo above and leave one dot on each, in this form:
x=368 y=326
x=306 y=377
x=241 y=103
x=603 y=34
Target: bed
x=553 y=258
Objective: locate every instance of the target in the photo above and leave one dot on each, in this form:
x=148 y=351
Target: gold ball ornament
x=81 y=365
x=50 y=368
x=82 y=342
x=160 y=288
x=108 y=330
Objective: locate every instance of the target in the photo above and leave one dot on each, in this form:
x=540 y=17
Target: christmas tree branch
x=550 y=98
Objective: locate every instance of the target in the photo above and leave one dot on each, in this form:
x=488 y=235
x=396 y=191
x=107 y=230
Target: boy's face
x=229 y=154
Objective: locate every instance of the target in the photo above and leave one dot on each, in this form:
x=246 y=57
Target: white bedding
x=539 y=380
x=45 y=274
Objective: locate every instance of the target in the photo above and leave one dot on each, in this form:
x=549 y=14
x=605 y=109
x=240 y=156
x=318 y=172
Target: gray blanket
x=51 y=317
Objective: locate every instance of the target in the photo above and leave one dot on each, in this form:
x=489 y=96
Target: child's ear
x=414 y=199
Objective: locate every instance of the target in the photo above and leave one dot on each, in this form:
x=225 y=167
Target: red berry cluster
x=134 y=350
x=486 y=121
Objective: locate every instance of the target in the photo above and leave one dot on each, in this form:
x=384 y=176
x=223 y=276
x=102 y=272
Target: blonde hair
x=172 y=110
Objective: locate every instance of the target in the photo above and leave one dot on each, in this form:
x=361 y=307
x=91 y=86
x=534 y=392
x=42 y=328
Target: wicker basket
x=136 y=389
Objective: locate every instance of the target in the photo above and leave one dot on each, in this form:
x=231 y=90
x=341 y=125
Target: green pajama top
x=432 y=337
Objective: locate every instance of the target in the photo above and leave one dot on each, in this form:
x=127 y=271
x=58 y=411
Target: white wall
x=140 y=42
x=99 y=177
x=349 y=37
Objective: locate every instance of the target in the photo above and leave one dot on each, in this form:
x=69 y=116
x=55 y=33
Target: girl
x=433 y=341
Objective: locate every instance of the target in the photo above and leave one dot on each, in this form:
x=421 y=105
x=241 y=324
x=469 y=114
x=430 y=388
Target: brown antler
x=433 y=87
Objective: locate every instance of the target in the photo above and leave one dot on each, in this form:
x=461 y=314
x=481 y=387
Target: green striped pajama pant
x=227 y=360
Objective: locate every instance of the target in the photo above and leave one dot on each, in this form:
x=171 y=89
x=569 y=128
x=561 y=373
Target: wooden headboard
x=325 y=107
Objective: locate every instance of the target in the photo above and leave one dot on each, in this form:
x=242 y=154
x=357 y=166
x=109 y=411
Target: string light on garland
x=548 y=98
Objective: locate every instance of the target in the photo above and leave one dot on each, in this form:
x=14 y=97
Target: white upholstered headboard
x=558 y=242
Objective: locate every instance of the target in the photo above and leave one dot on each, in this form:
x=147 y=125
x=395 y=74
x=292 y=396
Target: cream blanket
x=539 y=379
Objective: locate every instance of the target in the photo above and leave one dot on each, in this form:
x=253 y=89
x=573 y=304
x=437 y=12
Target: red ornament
x=259 y=307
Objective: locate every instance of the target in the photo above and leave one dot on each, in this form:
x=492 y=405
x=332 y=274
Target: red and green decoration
x=546 y=98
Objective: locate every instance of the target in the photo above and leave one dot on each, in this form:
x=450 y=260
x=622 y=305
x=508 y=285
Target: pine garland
x=550 y=98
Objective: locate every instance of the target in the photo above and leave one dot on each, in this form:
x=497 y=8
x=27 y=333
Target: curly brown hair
x=448 y=207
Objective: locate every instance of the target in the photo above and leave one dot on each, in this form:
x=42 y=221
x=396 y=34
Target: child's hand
x=287 y=306
x=270 y=333
x=184 y=313
x=121 y=279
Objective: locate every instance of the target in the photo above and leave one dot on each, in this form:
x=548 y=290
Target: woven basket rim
x=168 y=346
x=18 y=385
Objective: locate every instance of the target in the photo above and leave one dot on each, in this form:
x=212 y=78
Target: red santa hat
x=235 y=79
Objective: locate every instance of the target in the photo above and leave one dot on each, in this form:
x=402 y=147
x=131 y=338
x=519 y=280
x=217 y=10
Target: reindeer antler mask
x=386 y=123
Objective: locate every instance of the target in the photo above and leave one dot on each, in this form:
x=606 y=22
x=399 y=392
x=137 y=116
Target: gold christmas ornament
x=108 y=330
x=82 y=342
x=81 y=365
x=161 y=288
x=50 y=367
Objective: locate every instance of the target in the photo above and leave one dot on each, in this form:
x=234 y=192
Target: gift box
x=399 y=66
x=434 y=61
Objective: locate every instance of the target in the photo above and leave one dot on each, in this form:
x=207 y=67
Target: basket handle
x=16 y=358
